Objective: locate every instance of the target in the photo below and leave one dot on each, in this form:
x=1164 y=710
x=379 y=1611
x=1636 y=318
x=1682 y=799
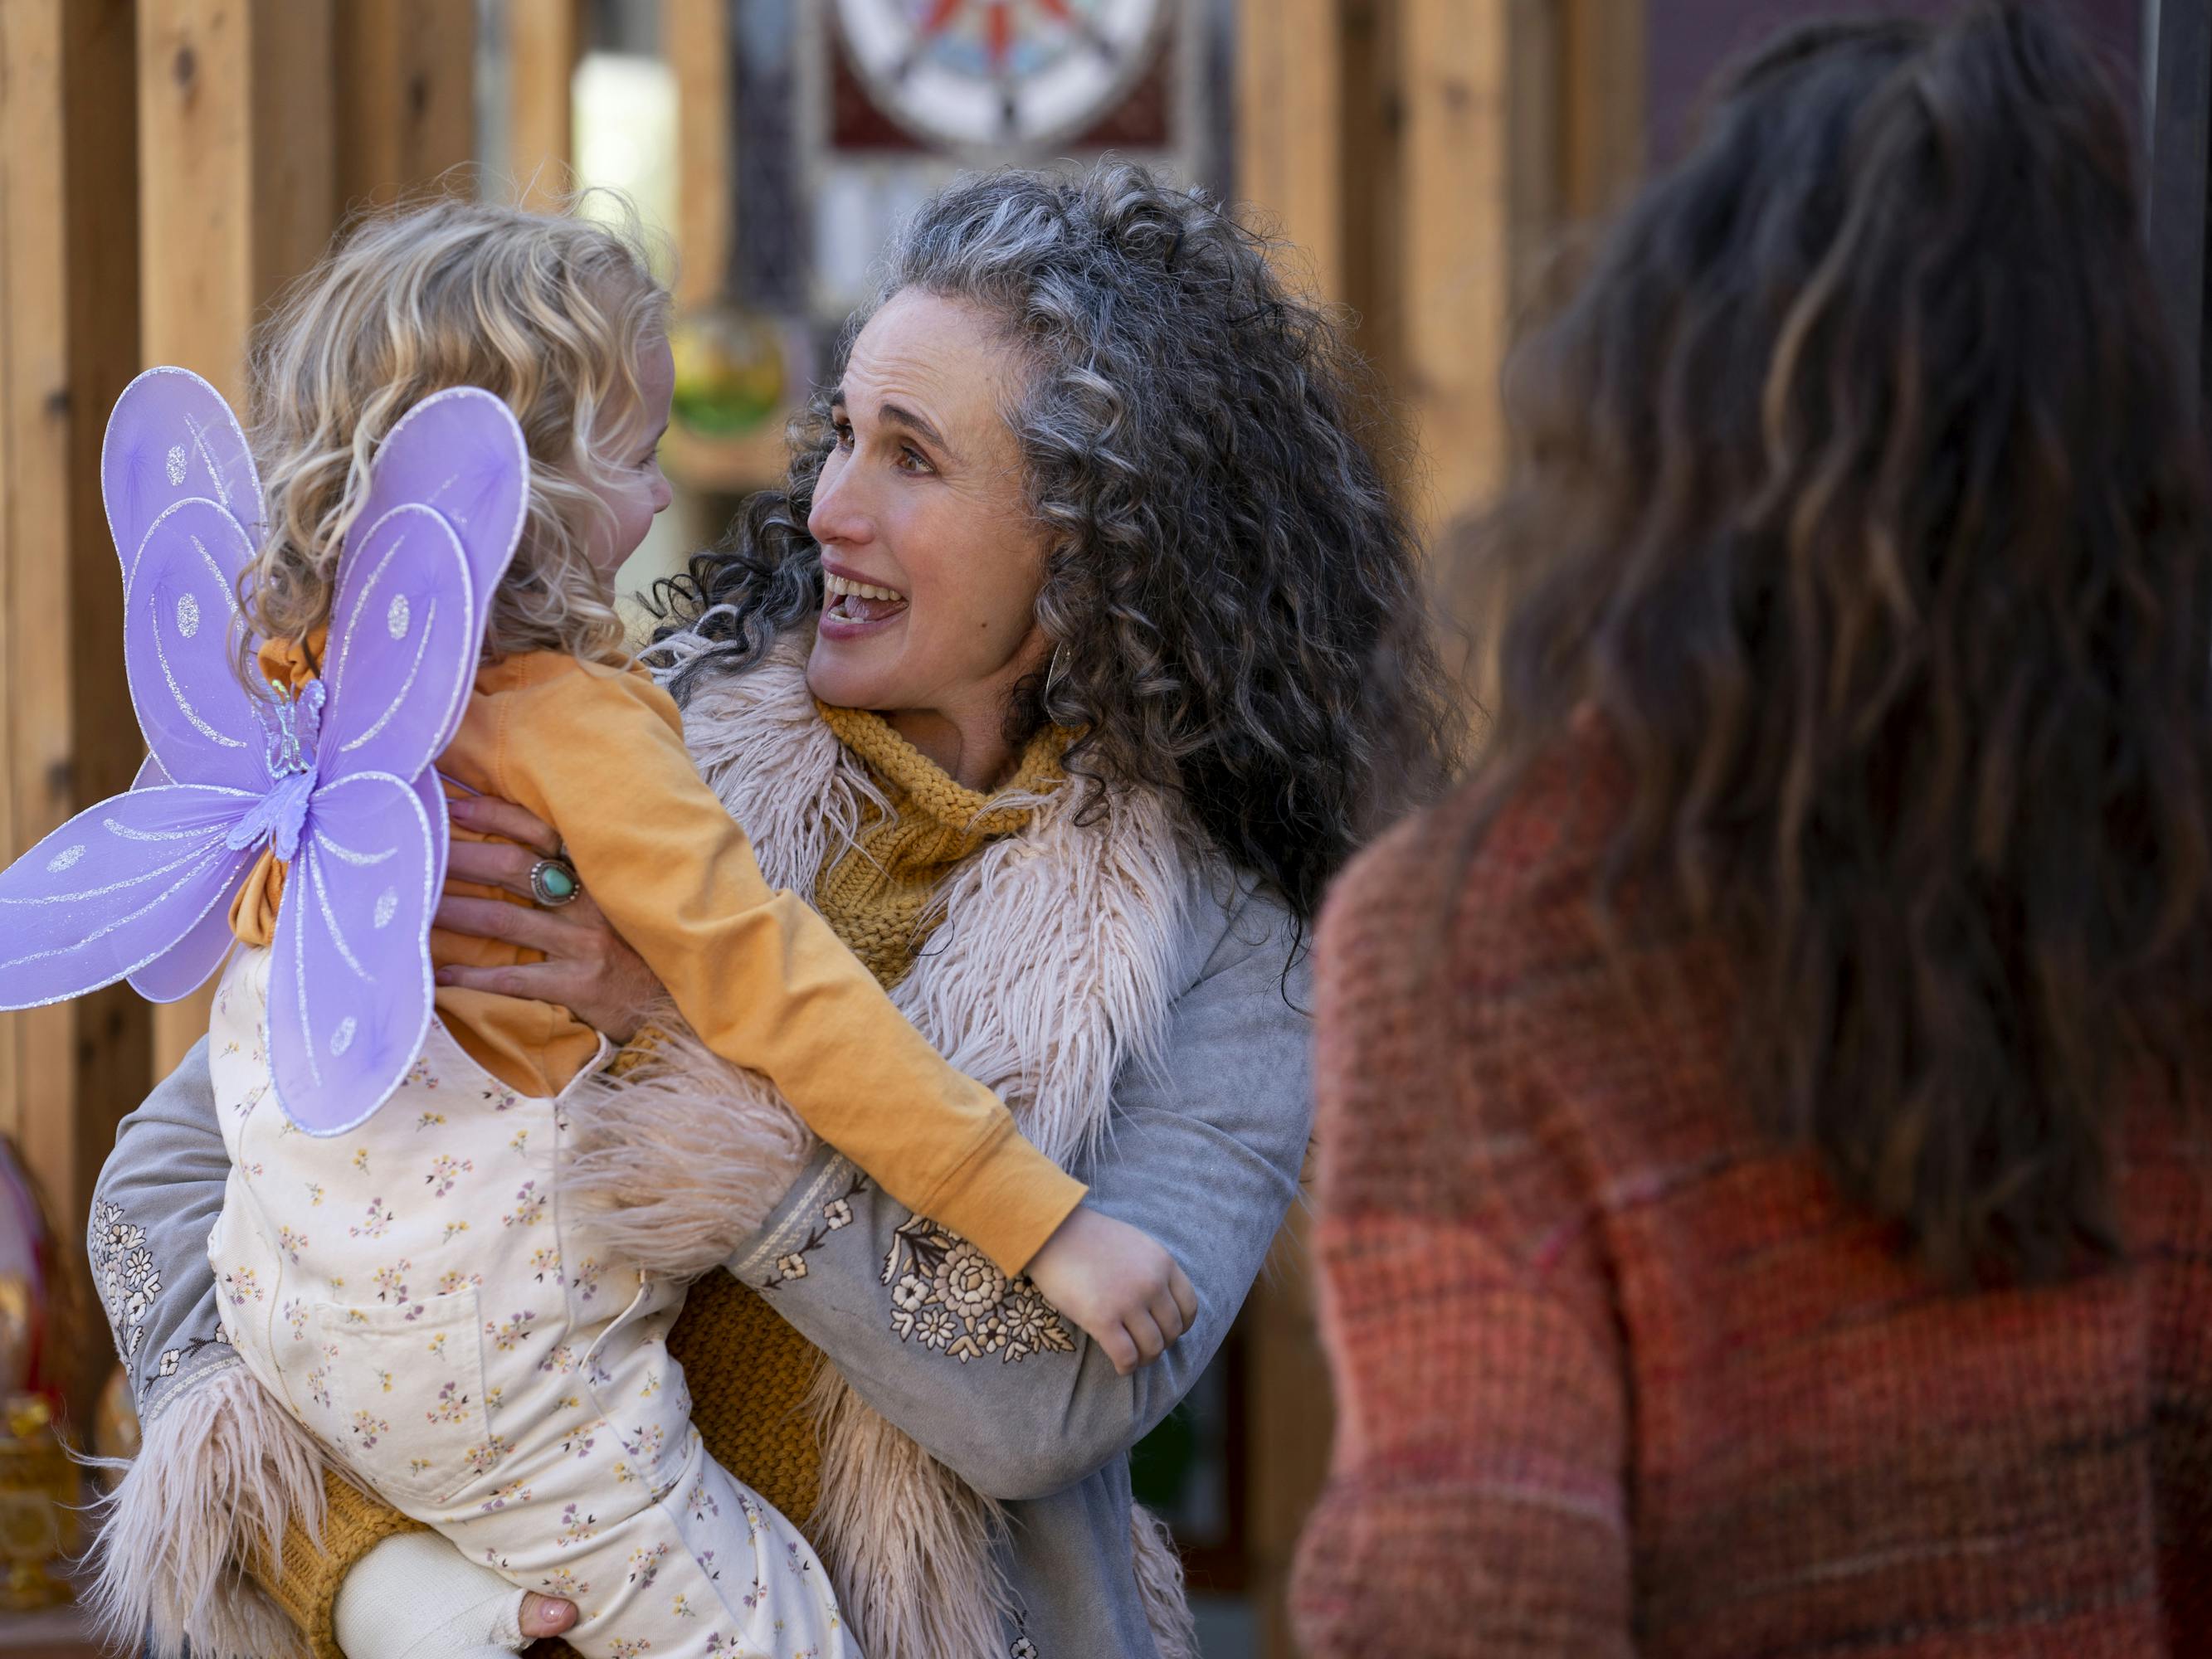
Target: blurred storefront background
x=166 y=166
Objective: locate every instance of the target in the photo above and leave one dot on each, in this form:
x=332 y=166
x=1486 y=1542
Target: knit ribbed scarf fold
x=879 y=894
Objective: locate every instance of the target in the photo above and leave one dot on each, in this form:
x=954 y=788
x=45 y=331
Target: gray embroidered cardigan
x=1203 y=1152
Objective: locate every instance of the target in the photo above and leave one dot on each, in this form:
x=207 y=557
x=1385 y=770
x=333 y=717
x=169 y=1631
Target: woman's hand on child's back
x=1118 y=1283
x=588 y=969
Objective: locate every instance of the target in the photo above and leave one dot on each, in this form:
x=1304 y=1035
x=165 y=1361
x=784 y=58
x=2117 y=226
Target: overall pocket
x=406 y=1386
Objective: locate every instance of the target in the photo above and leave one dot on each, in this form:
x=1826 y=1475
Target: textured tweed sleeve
x=1475 y=1504
x=1204 y=1154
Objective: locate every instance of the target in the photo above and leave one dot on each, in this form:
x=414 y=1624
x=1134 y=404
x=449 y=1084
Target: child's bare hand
x=1118 y=1283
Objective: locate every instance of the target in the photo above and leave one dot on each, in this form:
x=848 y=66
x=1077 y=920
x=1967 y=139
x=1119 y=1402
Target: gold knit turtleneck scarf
x=877 y=895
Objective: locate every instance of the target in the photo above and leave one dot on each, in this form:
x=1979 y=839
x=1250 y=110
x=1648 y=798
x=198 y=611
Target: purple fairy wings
x=338 y=782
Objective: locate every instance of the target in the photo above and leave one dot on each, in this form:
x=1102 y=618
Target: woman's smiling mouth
x=851 y=608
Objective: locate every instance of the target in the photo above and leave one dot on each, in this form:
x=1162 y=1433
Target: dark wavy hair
x=1859 y=497
x=1235 y=596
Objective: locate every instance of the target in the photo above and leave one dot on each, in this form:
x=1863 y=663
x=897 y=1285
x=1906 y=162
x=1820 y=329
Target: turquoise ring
x=553 y=883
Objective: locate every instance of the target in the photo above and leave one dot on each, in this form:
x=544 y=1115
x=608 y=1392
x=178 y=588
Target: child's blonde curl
x=546 y=311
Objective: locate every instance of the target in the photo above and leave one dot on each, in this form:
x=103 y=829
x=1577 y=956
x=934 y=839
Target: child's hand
x=1118 y=1283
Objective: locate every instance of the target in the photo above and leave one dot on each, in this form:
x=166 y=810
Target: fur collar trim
x=1054 y=967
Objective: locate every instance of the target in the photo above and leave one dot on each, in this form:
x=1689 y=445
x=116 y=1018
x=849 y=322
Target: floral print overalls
x=414 y=1293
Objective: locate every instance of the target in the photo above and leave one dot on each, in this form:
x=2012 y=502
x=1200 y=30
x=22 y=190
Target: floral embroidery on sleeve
x=123 y=1268
x=946 y=1294
x=130 y=1283
x=836 y=1216
x=950 y=1296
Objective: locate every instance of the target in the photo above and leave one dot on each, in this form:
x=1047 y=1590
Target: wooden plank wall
x=404 y=77
x=545 y=40
x=1290 y=133
x=69 y=342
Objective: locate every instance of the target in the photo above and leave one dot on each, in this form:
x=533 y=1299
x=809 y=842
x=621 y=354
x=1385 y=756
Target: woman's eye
x=913 y=460
x=843 y=430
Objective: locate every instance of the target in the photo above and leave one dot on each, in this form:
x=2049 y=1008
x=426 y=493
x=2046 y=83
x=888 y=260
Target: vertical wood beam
x=1538 y=138
x=545 y=42
x=1602 y=64
x=292 y=206
x=1374 y=206
x=69 y=342
x=195 y=135
x=405 y=89
x=1460 y=267
x=1289 y=131
x=695 y=39
x=237 y=169
x=237 y=196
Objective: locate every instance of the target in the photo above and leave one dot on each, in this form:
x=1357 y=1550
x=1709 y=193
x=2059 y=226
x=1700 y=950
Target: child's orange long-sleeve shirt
x=598 y=752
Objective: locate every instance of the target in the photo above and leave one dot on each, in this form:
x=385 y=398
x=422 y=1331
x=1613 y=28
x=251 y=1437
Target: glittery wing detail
x=349 y=985
x=403 y=647
x=126 y=888
x=461 y=452
x=172 y=437
x=430 y=790
x=180 y=625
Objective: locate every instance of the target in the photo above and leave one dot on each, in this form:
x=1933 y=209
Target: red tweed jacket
x=1617 y=1375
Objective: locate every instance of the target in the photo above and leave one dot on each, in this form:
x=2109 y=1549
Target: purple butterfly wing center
x=172 y=437
x=350 y=986
x=403 y=647
x=137 y=886
x=349 y=989
x=460 y=452
x=180 y=626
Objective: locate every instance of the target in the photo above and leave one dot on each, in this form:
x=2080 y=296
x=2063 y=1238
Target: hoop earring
x=1057 y=667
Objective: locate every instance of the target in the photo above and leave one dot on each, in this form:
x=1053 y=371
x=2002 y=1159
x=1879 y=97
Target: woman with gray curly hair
x=1082 y=645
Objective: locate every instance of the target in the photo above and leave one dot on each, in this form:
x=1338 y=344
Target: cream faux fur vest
x=1053 y=974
